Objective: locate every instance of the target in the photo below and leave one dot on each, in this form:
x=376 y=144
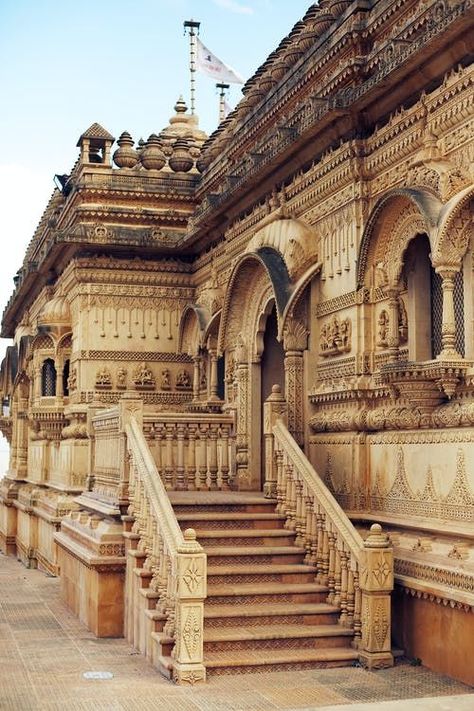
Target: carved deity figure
x=103 y=377
x=72 y=380
x=165 y=379
x=383 y=324
x=335 y=337
x=121 y=378
x=143 y=376
x=183 y=379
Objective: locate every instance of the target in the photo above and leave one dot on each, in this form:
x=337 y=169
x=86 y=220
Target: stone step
x=276 y=636
x=264 y=555
x=221 y=501
x=269 y=614
x=266 y=592
x=230 y=520
x=246 y=537
x=277 y=659
x=261 y=572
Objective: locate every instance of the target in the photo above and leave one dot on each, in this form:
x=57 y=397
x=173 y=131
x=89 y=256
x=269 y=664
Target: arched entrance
x=272 y=371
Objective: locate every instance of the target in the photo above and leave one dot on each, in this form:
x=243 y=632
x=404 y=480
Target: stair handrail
x=175 y=559
x=358 y=573
x=326 y=500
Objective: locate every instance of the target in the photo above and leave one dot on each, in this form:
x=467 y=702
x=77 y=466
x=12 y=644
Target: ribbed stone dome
x=55 y=312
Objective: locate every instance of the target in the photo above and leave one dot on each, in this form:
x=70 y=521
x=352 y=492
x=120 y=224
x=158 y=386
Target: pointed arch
x=192 y=326
x=252 y=274
x=455 y=229
x=396 y=218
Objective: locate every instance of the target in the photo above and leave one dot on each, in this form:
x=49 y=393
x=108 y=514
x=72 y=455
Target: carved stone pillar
x=196 y=377
x=393 y=340
x=59 y=379
x=213 y=387
x=37 y=383
x=242 y=400
x=448 y=327
x=295 y=341
x=376 y=584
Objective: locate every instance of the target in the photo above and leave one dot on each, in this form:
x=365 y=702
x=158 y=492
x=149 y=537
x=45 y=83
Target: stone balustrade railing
x=106 y=454
x=176 y=561
x=357 y=573
x=192 y=450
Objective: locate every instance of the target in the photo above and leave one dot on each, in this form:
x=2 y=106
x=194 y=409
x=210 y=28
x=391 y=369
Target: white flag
x=208 y=63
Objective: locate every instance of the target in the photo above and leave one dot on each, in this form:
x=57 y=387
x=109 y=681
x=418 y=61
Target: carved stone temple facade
x=241 y=387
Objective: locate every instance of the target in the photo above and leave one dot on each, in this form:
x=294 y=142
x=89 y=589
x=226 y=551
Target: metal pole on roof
x=192 y=27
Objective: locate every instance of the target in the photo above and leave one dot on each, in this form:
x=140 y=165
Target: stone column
x=242 y=443
x=196 y=378
x=213 y=376
x=59 y=379
x=376 y=584
x=393 y=340
x=295 y=341
x=448 y=327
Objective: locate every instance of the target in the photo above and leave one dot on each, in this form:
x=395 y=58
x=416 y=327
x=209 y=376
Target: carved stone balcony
x=426 y=384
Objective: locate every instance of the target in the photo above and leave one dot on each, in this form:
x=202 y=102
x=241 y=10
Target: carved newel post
x=273 y=408
x=448 y=327
x=191 y=591
x=376 y=582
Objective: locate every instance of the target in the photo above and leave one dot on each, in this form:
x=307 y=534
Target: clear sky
x=65 y=64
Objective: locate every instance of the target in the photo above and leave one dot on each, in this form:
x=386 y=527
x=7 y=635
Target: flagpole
x=223 y=88
x=192 y=26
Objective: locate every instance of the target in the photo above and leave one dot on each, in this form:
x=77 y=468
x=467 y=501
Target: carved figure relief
x=121 y=378
x=165 y=382
x=335 y=337
x=143 y=377
x=183 y=380
x=103 y=378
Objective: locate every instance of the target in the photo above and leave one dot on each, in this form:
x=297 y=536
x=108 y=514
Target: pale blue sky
x=65 y=64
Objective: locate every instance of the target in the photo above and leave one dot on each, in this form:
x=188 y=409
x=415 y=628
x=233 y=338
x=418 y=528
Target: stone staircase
x=263 y=610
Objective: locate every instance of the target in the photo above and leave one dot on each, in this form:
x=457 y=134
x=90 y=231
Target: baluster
x=343 y=619
x=324 y=555
x=160 y=458
x=281 y=484
x=350 y=596
x=191 y=468
x=337 y=575
x=202 y=484
x=310 y=528
x=332 y=565
x=213 y=458
x=162 y=577
x=225 y=484
x=180 y=481
x=169 y=458
x=299 y=512
x=357 y=610
x=290 y=519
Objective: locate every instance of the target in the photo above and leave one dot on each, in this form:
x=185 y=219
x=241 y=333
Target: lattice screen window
x=437 y=312
x=48 y=378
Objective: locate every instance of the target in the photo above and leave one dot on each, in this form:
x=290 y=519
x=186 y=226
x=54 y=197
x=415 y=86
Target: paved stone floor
x=44 y=652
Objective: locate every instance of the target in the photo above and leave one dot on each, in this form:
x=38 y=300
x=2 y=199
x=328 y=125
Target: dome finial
x=181 y=107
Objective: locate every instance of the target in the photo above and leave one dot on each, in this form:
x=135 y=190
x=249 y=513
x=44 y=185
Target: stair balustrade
x=192 y=451
x=174 y=560
x=358 y=573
